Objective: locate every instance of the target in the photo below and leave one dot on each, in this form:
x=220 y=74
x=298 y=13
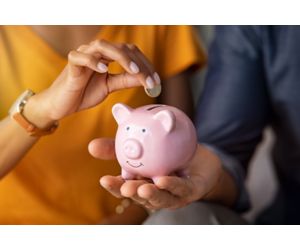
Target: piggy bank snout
x=133 y=149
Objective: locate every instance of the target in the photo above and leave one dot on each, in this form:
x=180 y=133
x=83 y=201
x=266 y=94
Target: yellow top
x=57 y=182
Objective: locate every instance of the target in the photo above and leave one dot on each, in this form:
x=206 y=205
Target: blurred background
x=261 y=181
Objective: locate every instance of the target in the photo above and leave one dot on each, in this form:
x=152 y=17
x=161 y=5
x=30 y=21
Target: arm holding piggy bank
x=159 y=142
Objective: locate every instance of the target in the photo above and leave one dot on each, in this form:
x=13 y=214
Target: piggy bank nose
x=133 y=149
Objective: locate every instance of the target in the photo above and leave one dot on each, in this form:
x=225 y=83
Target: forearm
x=14 y=143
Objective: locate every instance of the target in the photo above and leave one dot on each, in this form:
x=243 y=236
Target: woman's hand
x=84 y=82
x=206 y=180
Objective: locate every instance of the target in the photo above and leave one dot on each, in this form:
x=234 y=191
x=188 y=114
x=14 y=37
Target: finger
x=122 y=81
x=182 y=187
x=130 y=187
x=115 y=53
x=85 y=49
x=140 y=57
x=119 y=81
x=77 y=60
x=129 y=190
x=121 y=54
x=82 y=48
x=146 y=75
x=156 y=197
x=102 y=148
x=112 y=184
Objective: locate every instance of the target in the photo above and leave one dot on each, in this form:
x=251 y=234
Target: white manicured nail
x=150 y=82
x=134 y=68
x=102 y=67
x=156 y=78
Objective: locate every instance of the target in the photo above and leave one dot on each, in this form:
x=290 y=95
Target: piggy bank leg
x=126 y=175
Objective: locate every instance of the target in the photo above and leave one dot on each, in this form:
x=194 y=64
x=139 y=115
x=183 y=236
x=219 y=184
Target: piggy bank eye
x=143 y=130
x=127 y=128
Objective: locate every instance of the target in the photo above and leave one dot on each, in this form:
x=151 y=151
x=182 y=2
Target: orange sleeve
x=180 y=49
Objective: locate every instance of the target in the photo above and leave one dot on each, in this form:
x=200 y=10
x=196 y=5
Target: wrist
x=218 y=184
x=224 y=191
x=36 y=112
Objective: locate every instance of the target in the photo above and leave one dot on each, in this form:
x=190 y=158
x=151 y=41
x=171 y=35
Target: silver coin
x=154 y=92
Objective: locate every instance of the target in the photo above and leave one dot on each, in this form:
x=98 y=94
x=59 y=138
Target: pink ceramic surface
x=153 y=140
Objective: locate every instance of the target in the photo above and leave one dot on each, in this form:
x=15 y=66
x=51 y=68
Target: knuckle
x=71 y=54
x=97 y=43
x=82 y=47
x=88 y=61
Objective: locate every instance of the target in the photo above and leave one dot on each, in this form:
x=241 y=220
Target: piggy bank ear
x=121 y=112
x=167 y=119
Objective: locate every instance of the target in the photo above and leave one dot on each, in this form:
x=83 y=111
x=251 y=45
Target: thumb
x=123 y=81
x=102 y=148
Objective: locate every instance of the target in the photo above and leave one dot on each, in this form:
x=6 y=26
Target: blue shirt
x=253 y=81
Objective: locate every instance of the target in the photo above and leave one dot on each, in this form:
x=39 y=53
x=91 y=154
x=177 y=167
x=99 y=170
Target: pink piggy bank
x=153 y=140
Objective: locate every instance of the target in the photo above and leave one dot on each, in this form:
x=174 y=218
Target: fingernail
x=156 y=78
x=102 y=67
x=134 y=68
x=150 y=82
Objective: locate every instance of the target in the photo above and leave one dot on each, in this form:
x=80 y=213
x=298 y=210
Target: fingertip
x=145 y=191
x=141 y=192
x=125 y=191
x=129 y=188
x=160 y=182
x=91 y=147
x=104 y=182
x=102 y=148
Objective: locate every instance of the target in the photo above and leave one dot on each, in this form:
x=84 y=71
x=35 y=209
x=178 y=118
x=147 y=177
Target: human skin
x=207 y=180
x=74 y=82
x=78 y=87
